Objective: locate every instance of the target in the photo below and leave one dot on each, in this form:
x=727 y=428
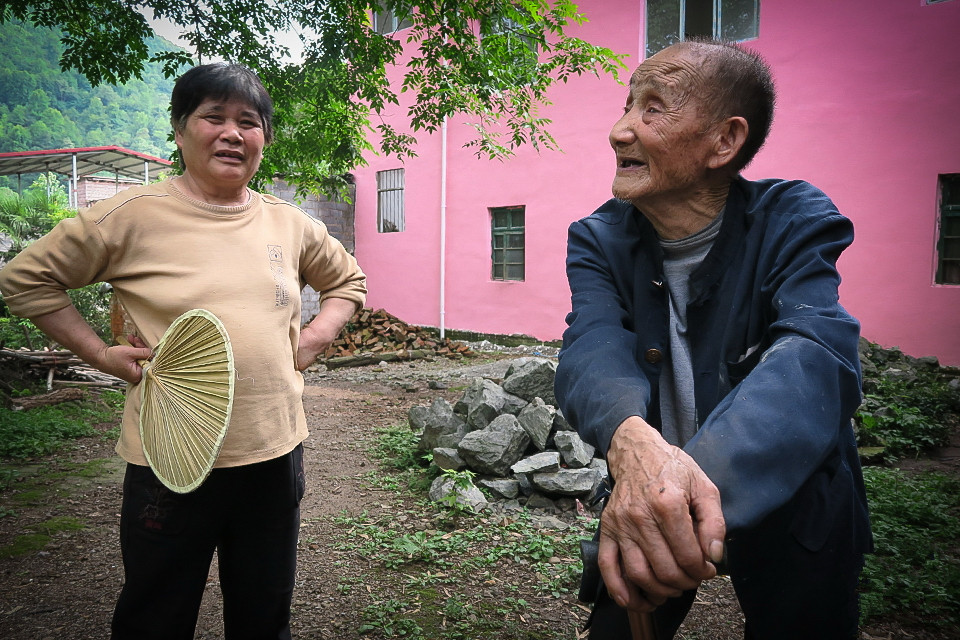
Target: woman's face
x=222 y=144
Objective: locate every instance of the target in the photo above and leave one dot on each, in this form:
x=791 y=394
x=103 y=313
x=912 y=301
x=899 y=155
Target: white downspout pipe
x=443 y=226
x=76 y=184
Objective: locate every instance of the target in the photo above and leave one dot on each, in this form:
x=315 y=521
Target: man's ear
x=731 y=134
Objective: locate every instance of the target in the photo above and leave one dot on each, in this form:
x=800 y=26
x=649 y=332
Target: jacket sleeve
x=792 y=410
x=599 y=382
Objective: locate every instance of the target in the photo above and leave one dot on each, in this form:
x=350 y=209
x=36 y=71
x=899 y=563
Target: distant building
x=93 y=189
x=867 y=112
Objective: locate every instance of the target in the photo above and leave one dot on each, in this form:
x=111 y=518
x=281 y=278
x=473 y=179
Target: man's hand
x=662 y=525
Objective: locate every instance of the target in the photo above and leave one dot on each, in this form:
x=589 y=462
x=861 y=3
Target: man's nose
x=622 y=132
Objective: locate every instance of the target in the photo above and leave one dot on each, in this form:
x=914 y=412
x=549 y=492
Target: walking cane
x=641 y=625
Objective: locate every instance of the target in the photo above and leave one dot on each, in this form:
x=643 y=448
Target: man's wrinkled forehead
x=677 y=70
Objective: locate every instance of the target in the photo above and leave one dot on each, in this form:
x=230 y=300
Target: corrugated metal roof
x=90 y=160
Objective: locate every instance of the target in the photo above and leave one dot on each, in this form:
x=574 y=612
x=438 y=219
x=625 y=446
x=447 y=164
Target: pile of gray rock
x=514 y=440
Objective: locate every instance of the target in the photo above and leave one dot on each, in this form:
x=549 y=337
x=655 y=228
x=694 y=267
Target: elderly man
x=708 y=357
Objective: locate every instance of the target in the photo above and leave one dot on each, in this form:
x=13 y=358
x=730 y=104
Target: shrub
x=915 y=570
x=906 y=416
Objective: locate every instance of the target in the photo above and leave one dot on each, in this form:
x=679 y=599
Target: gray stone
x=576 y=453
x=548 y=522
x=448 y=459
x=566 y=482
x=501 y=487
x=466 y=496
x=532 y=378
x=546 y=462
x=483 y=401
x=537 y=420
x=441 y=426
x=526 y=488
x=560 y=423
x=495 y=449
x=600 y=465
x=513 y=404
x=539 y=501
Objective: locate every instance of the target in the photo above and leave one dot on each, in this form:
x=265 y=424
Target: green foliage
x=25 y=218
x=388 y=619
x=462 y=482
x=45 y=107
x=478 y=543
x=43 y=430
x=491 y=60
x=905 y=416
x=915 y=571
x=396 y=447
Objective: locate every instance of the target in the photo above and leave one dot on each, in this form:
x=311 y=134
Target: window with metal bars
x=387 y=21
x=390 y=216
x=948 y=245
x=507 y=234
x=672 y=21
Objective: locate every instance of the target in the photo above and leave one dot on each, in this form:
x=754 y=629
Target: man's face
x=659 y=143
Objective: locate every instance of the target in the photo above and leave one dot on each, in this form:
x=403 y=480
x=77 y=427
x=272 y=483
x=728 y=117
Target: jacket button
x=653 y=356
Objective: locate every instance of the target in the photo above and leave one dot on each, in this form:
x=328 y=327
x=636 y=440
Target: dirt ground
x=67 y=590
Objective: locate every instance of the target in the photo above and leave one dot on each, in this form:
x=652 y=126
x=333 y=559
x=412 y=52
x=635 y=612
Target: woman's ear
x=731 y=135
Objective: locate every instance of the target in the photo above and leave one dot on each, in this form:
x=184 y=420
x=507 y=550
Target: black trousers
x=787 y=590
x=249 y=515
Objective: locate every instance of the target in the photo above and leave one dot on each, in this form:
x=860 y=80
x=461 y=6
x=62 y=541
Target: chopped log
x=364 y=360
x=46 y=399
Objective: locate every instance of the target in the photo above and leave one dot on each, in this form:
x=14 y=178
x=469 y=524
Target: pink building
x=868 y=112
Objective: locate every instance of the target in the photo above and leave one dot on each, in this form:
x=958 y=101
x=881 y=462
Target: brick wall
x=338 y=218
x=91 y=190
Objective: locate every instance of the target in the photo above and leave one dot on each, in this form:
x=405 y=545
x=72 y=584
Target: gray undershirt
x=677 y=401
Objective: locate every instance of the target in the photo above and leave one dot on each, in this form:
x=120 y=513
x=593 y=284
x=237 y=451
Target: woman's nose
x=231 y=131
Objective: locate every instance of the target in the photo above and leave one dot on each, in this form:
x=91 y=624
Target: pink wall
x=868 y=112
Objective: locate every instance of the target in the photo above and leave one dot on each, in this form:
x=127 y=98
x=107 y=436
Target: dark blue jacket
x=775 y=363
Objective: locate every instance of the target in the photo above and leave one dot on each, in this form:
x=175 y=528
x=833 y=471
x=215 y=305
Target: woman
x=204 y=240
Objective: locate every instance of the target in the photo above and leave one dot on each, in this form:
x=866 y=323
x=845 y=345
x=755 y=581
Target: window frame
x=948 y=208
x=505 y=234
x=396 y=23
x=391 y=200
x=716 y=18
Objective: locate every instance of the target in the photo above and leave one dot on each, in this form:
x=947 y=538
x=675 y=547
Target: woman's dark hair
x=220 y=81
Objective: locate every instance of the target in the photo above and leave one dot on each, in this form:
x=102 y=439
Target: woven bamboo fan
x=186 y=400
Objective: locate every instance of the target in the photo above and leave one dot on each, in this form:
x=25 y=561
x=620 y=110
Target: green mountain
x=44 y=107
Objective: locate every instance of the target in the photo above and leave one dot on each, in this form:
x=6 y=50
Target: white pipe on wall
x=443 y=225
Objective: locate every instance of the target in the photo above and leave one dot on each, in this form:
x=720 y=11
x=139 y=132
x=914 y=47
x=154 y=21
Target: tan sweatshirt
x=165 y=254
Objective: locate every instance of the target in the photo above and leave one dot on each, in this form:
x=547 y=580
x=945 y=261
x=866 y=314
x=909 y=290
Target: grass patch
x=45 y=430
x=440 y=571
x=41 y=534
x=915 y=572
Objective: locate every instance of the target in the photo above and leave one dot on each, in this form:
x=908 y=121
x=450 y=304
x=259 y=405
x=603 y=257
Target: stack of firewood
x=377 y=335
x=71 y=370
